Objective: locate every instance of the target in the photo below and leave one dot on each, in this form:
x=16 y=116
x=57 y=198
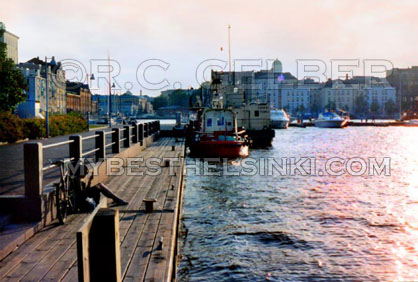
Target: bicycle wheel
x=62 y=202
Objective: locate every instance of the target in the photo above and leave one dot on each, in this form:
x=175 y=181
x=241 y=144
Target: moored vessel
x=218 y=136
x=330 y=120
x=279 y=119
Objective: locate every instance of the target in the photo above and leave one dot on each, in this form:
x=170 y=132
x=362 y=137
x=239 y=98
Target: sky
x=157 y=45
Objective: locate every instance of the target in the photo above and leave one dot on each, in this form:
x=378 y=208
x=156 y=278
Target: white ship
x=279 y=119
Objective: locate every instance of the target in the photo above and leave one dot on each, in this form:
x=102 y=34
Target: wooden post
x=104 y=249
x=33 y=163
x=135 y=134
x=126 y=136
x=141 y=133
x=146 y=129
x=76 y=147
x=116 y=140
x=100 y=143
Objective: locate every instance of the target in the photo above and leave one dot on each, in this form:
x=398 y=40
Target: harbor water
x=283 y=227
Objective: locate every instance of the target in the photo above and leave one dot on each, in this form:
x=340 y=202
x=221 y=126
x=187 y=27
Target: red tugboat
x=218 y=136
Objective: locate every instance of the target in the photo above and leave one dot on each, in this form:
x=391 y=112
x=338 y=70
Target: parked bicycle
x=74 y=191
x=65 y=190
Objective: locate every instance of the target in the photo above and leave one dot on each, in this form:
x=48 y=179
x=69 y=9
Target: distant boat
x=330 y=120
x=279 y=119
x=412 y=121
x=218 y=136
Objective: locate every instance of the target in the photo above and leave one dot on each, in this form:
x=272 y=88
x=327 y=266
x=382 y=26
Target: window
x=221 y=121
x=256 y=113
x=209 y=122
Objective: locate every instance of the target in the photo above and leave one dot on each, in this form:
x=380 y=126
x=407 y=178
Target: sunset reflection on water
x=309 y=227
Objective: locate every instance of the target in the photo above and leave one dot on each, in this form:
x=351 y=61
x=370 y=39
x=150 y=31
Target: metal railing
x=33 y=151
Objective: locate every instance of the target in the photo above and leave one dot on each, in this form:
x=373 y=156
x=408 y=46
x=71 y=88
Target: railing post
x=76 y=147
x=116 y=140
x=135 y=134
x=33 y=163
x=141 y=133
x=105 y=262
x=100 y=144
x=146 y=129
x=126 y=136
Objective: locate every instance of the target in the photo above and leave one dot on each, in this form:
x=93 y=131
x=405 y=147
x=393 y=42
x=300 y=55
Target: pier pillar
x=33 y=163
x=76 y=147
x=100 y=144
x=127 y=136
x=116 y=140
x=105 y=262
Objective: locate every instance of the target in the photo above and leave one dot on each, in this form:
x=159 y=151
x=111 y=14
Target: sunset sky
x=186 y=33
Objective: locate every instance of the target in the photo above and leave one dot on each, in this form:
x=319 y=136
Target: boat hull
x=330 y=123
x=280 y=124
x=219 y=149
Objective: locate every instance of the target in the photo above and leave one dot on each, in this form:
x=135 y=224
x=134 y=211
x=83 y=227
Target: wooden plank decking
x=51 y=255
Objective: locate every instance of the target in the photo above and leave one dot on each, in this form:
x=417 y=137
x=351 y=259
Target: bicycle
x=65 y=193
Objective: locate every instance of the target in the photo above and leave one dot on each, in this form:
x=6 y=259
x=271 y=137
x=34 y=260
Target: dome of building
x=277 y=66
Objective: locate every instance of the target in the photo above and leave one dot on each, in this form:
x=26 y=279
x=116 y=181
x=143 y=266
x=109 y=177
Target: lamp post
x=53 y=64
x=110 y=106
x=89 y=99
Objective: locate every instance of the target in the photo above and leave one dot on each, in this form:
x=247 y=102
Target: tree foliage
x=390 y=107
x=12 y=82
x=178 y=98
x=159 y=102
x=361 y=104
x=374 y=107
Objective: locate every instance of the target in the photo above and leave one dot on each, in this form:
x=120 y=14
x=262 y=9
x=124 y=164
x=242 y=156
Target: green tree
x=12 y=82
x=390 y=107
x=374 y=107
x=361 y=105
x=331 y=106
x=159 y=102
x=178 y=98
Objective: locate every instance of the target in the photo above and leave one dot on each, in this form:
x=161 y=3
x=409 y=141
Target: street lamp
x=89 y=108
x=110 y=105
x=53 y=64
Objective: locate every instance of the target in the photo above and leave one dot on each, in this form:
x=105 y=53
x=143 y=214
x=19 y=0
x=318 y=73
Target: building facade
x=11 y=41
x=79 y=98
x=35 y=72
x=405 y=81
x=126 y=104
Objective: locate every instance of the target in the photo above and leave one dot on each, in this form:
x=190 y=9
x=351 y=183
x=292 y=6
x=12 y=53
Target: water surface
x=289 y=228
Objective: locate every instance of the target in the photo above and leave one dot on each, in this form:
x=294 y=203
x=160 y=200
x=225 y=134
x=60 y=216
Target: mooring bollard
x=149 y=205
x=166 y=163
x=173 y=148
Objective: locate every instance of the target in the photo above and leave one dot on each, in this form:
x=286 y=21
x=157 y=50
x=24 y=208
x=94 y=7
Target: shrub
x=34 y=128
x=11 y=128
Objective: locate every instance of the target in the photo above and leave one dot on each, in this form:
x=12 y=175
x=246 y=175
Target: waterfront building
x=343 y=94
x=78 y=96
x=11 y=41
x=405 y=80
x=127 y=104
x=35 y=72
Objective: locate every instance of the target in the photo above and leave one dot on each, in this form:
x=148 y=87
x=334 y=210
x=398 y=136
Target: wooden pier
x=148 y=241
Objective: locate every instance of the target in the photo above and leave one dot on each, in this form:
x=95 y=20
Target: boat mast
x=229 y=46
